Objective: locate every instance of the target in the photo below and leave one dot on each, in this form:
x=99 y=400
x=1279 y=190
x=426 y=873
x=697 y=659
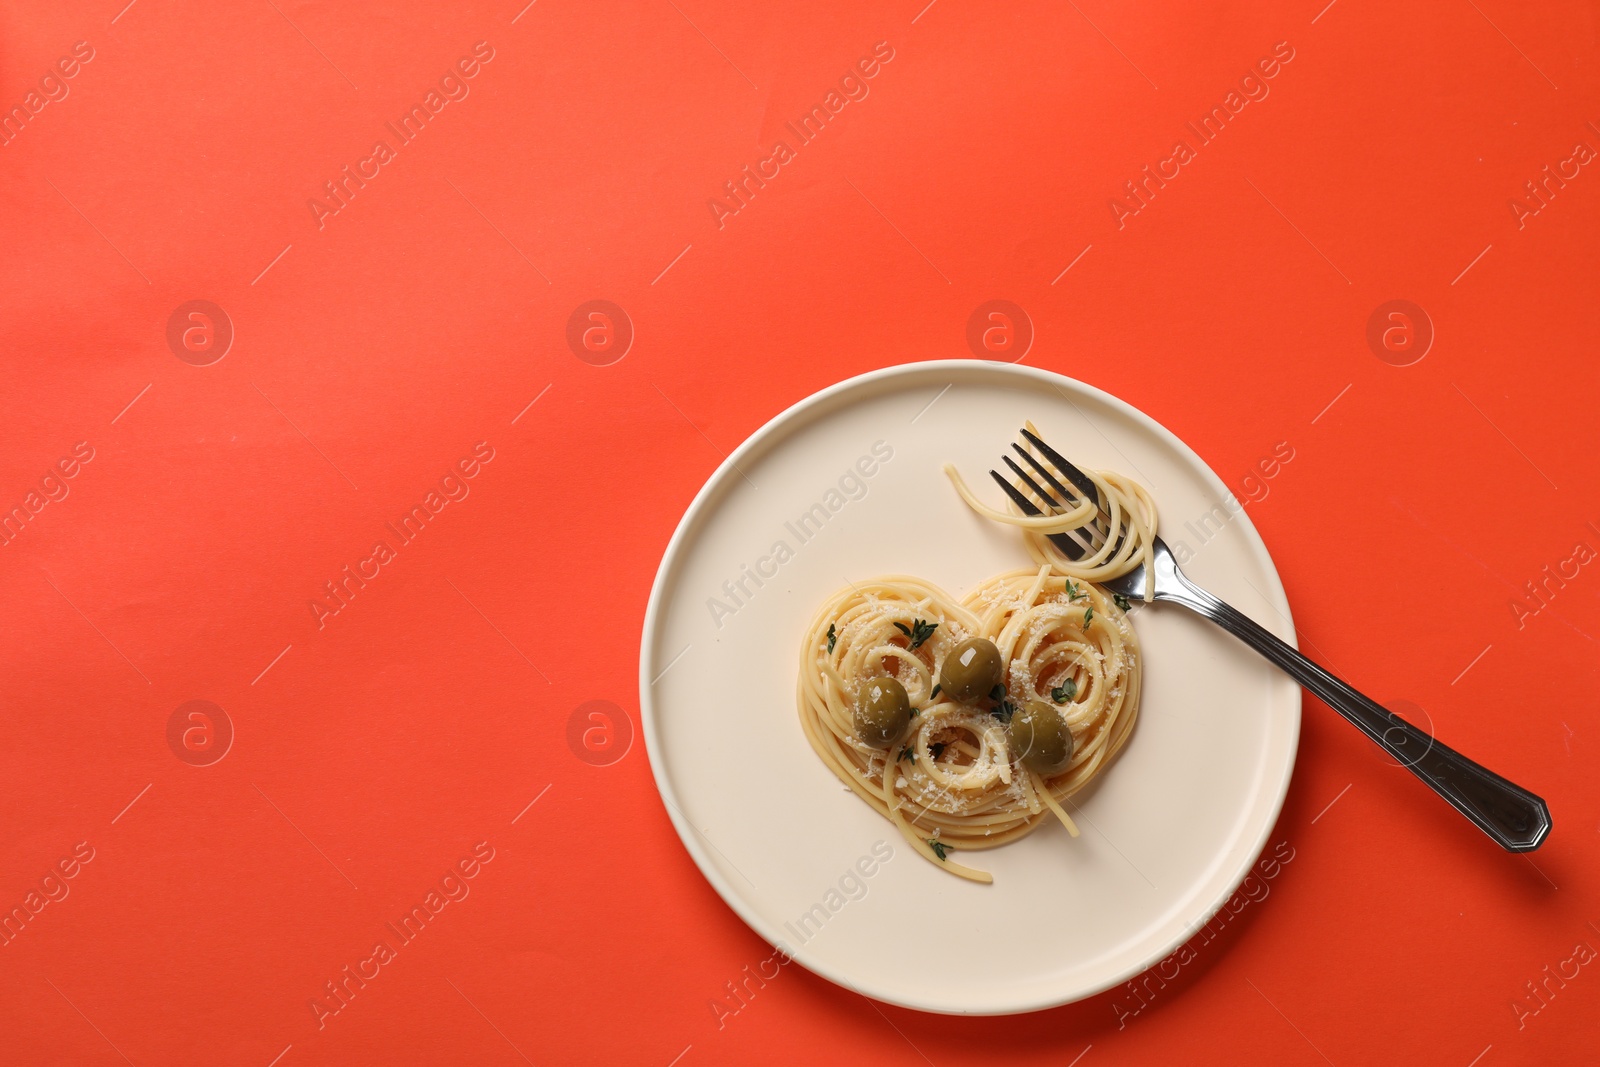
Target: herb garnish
x=939 y=847
x=918 y=632
x=1074 y=592
x=832 y=637
x=1064 y=692
x=1122 y=601
x=1004 y=710
x=998 y=692
x=905 y=753
x=935 y=692
x=1088 y=613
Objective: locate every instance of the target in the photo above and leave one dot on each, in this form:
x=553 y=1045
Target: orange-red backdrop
x=172 y=516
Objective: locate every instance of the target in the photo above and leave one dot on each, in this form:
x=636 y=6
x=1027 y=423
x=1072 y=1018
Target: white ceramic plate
x=1170 y=829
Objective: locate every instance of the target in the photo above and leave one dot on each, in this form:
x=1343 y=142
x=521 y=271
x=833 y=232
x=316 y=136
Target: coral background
x=375 y=347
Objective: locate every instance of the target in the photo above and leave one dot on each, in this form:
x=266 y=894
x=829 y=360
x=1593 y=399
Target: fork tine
x=1017 y=496
x=1044 y=472
x=1070 y=547
x=1078 y=478
x=1067 y=467
x=1055 y=483
x=1054 y=504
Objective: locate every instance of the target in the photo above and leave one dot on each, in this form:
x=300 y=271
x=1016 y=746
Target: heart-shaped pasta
x=953 y=777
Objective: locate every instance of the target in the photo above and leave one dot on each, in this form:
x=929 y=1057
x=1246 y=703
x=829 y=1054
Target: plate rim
x=676 y=546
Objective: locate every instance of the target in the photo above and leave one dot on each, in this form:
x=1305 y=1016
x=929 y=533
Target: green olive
x=1039 y=735
x=971 y=670
x=882 y=712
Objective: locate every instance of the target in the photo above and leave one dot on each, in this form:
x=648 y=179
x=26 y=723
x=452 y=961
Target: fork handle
x=1514 y=817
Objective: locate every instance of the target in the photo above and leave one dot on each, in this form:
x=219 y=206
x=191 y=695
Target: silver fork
x=1517 y=819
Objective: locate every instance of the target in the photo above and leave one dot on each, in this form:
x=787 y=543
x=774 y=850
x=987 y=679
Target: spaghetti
x=963 y=772
x=1114 y=544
